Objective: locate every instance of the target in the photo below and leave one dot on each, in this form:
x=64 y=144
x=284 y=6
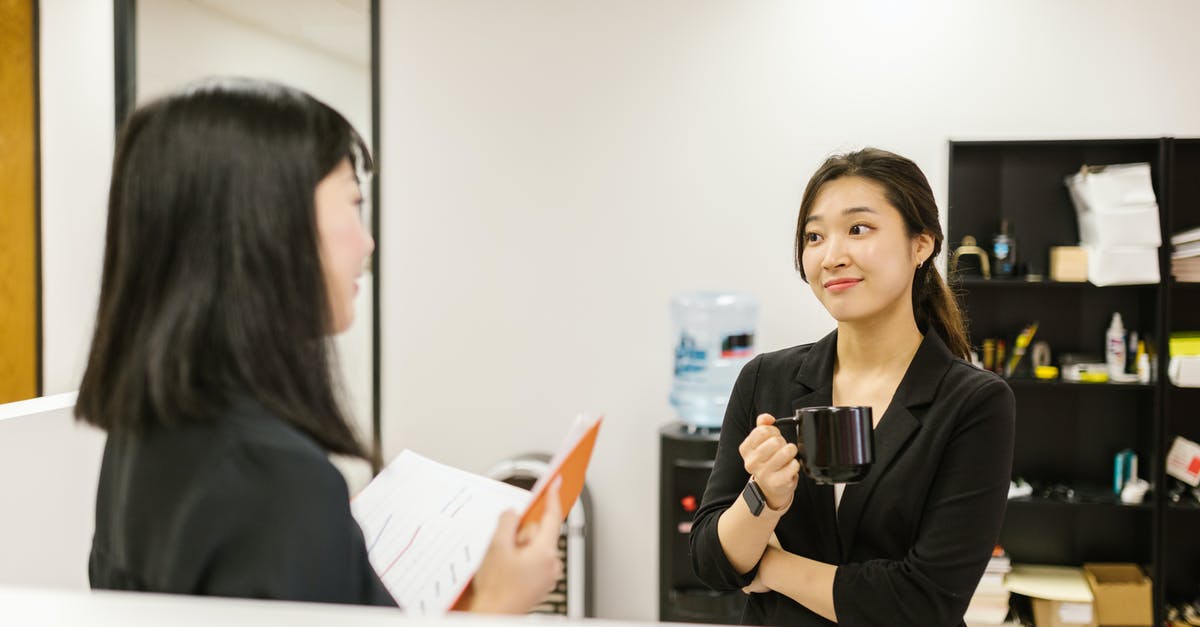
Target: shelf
x=1090 y=503
x=976 y=282
x=1057 y=383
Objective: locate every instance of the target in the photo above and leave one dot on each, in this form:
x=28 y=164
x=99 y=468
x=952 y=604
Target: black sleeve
x=725 y=485
x=964 y=510
x=284 y=531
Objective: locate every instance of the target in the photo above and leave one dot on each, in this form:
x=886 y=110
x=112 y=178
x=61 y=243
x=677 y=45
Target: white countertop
x=22 y=607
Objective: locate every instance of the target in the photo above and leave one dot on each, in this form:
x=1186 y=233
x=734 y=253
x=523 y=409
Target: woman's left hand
x=521 y=566
x=757 y=586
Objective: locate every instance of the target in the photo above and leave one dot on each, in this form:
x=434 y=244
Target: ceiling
x=340 y=28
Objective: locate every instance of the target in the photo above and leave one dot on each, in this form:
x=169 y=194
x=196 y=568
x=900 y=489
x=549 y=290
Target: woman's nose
x=835 y=253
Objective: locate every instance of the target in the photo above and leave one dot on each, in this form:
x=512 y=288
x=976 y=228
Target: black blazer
x=243 y=506
x=911 y=541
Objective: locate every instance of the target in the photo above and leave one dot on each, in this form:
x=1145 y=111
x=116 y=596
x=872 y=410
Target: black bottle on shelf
x=1004 y=252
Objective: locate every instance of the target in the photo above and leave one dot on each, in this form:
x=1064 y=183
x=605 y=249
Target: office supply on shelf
x=970 y=247
x=1124 y=467
x=1021 y=343
x=428 y=525
x=1183 y=461
x=1046 y=373
x=1083 y=368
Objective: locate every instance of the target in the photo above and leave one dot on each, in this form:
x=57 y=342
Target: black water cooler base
x=685 y=460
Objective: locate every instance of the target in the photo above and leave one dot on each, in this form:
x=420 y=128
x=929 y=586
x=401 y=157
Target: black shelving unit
x=1180 y=525
x=1067 y=432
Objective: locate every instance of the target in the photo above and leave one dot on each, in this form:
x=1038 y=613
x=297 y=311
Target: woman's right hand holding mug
x=771 y=462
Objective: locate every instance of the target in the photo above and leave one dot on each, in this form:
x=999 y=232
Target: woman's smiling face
x=859 y=257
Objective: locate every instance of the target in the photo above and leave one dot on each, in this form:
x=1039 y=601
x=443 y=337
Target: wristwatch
x=754 y=497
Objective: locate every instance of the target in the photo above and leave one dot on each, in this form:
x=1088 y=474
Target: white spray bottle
x=1114 y=348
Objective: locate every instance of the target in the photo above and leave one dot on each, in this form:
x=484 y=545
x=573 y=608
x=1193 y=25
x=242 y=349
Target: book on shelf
x=989 y=604
x=428 y=526
x=1185 y=237
x=1186 y=269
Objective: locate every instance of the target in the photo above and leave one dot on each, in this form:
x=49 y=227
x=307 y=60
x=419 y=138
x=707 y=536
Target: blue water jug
x=714 y=338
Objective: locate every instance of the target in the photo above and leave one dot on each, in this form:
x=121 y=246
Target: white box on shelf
x=1115 y=205
x=1121 y=226
x=1184 y=371
x=1122 y=265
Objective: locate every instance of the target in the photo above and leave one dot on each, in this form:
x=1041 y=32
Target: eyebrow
x=846 y=212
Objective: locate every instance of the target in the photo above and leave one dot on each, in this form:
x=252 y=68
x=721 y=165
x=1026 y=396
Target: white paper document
x=427 y=527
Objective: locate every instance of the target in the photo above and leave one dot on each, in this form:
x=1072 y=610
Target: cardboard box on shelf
x=1122 y=594
x=1068 y=264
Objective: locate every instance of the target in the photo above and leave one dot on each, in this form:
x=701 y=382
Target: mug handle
x=788 y=422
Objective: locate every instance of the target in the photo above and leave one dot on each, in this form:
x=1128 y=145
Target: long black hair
x=212 y=284
x=907 y=189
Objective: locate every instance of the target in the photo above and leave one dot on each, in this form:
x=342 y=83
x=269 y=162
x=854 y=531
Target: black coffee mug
x=839 y=442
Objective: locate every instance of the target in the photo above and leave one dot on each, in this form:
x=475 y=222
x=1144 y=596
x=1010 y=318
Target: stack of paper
x=1185 y=256
x=989 y=605
x=1060 y=594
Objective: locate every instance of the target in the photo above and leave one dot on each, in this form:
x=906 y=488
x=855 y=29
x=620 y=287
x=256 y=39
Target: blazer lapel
x=815 y=377
x=898 y=425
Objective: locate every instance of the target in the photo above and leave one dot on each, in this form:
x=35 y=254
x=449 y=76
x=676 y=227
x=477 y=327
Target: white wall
x=76 y=149
x=49 y=467
x=554 y=171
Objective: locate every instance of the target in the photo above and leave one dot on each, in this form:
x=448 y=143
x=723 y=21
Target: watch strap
x=753 y=495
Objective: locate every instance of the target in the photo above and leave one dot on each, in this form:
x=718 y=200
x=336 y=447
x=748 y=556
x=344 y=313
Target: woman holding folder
x=908 y=544
x=234 y=244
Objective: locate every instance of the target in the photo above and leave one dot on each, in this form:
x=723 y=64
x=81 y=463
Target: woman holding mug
x=234 y=247
x=909 y=543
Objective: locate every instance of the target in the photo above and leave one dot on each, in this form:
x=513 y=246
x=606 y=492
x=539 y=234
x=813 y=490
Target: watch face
x=754 y=497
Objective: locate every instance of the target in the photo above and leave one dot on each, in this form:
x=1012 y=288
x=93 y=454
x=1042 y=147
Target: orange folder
x=570 y=465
